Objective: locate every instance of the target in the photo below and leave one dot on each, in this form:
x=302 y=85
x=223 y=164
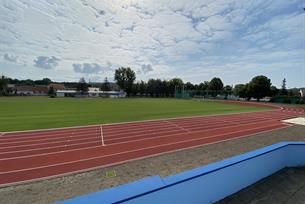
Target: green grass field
x=26 y=113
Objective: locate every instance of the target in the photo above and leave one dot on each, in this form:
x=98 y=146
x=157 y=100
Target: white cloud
x=146 y=68
x=45 y=62
x=171 y=36
x=10 y=57
x=90 y=68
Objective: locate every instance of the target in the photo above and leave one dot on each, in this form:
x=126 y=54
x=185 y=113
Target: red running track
x=34 y=155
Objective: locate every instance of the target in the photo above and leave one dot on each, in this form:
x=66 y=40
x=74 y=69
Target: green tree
x=125 y=78
x=82 y=85
x=274 y=91
x=28 y=82
x=189 y=86
x=166 y=87
x=204 y=85
x=215 y=86
x=174 y=85
x=259 y=87
x=44 y=81
x=142 y=88
x=51 y=91
x=227 y=90
x=242 y=91
x=152 y=87
x=284 y=90
x=3 y=86
x=106 y=85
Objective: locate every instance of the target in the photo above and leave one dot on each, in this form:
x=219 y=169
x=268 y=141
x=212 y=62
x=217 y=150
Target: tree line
x=125 y=78
x=258 y=87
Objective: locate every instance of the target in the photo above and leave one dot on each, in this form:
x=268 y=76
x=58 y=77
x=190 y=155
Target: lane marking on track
x=144 y=137
x=129 y=160
x=102 y=135
x=178 y=126
x=145 y=148
x=46 y=136
x=141 y=135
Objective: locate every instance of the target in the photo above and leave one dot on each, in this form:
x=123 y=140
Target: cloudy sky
x=192 y=39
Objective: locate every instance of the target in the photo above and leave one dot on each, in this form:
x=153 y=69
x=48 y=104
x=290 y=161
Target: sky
x=195 y=40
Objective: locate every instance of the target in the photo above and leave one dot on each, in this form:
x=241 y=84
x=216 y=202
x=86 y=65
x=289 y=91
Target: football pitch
x=29 y=113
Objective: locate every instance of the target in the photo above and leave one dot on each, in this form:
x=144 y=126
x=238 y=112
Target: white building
x=302 y=92
x=65 y=93
x=113 y=94
x=92 y=92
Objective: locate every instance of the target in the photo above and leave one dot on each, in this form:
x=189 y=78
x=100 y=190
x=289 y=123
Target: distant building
x=27 y=90
x=56 y=86
x=113 y=94
x=302 y=93
x=66 y=93
x=11 y=86
x=92 y=92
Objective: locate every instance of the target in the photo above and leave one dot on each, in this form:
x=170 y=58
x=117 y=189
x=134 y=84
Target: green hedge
x=287 y=99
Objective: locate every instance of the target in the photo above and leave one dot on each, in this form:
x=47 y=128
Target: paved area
x=286 y=186
x=51 y=190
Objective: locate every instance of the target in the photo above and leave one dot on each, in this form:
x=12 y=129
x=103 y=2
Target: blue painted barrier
x=206 y=184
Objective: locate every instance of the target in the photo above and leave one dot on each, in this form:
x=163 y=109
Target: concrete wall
x=206 y=184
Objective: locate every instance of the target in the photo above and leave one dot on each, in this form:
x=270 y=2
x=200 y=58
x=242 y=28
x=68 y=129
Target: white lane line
x=102 y=135
x=129 y=160
x=47 y=137
x=46 y=134
x=130 y=140
x=51 y=142
x=50 y=138
x=144 y=148
x=178 y=126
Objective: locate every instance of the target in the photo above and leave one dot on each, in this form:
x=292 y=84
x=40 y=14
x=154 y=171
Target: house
x=56 y=86
x=11 y=88
x=66 y=93
x=27 y=90
x=93 y=91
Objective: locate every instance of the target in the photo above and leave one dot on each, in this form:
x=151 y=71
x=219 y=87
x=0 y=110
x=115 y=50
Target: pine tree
x=284 y=90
